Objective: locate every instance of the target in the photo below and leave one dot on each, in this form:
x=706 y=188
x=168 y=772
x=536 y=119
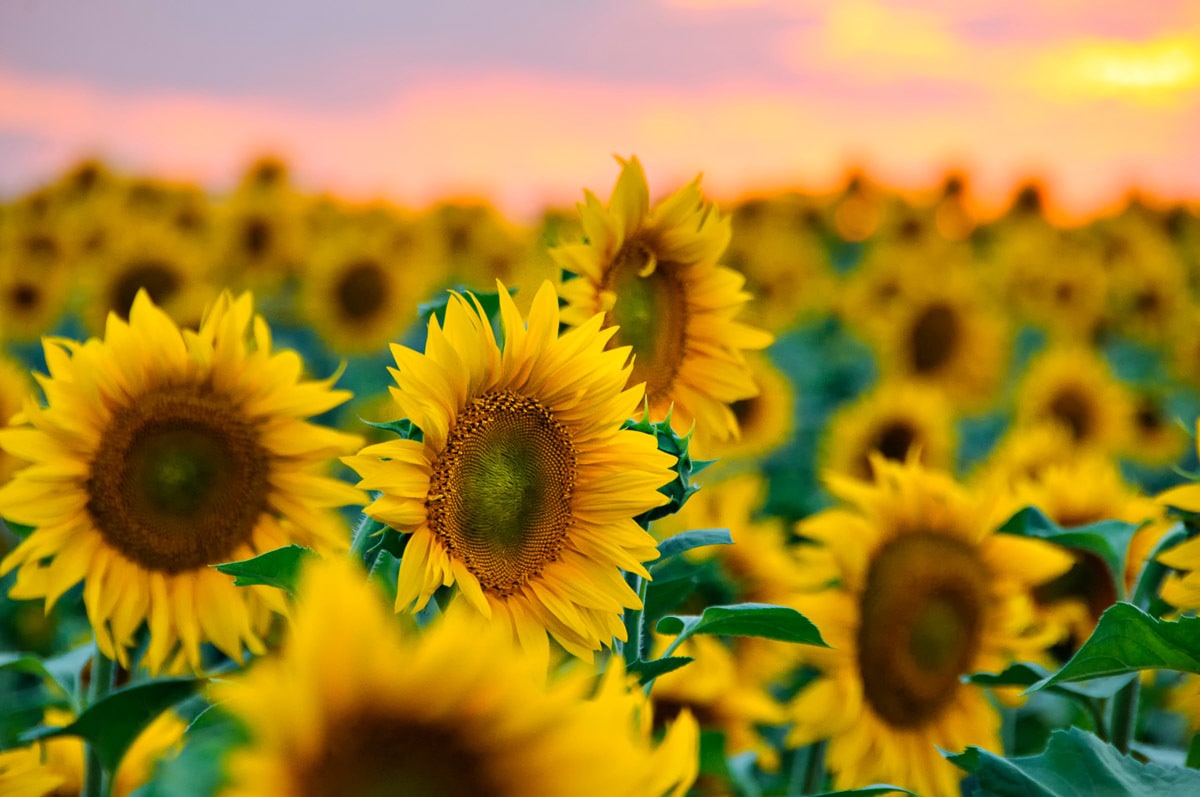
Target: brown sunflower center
x=894 y=439
x=1073 y=410
x=256 y=237
x=371 y=754
x=156 y=276
x=922 y=620
x=500 y=492
x=179 y=480
x=24 y=296
x=651 y=315
x=934 y=338
x=361 y=290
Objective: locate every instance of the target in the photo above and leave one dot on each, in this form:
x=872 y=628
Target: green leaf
x=63 y=670
x=1074 y=764
x=745 y=619
x=1107 y=539
x=867 y=791
x=647 y=671
x=1193 y=753
x=1027 y=674
x=115 y=721
x=403 y=427
x=199 y=768
x=278 y=568
x=1127 y=640
x=689 y=541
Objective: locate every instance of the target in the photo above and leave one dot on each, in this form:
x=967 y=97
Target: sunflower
x=15 y=389
x=33 y=298
x=259 y=236
x=524 y=488
x=653 y=272
x=55 y=766
x=765 y=421
x=1156 y=439
x=922 y=594
x=1149 y=295
x=163 y=452
x=897 y=420
x=1072 y=386
x=355 y=706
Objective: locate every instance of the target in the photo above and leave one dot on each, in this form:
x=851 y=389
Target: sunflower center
x=922 y=621
x=651 y=316
x=179 y=480
x=895 y=439
x=500 y=492
x=24 y=296
x=256 y=237
x=374 y=755
x=1074 y=411
x=361 y=290
x=156 y=276
x=934 y=338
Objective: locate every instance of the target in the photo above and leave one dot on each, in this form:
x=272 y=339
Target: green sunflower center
x=159 y=279
x=374 y=755
x=651 y=316
x=922 y=621
x=179 y=480
x=500 y=492
x=934 y=338
x=361 y=290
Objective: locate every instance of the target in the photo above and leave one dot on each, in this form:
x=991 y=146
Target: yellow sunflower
x=163 y=452
x=354 y=706
x=897 y=420
x=524 y=488
x=32 y=299
x=55 y=767
x=1155 y=439
x=1149 y=296
x=922 y=594
x=1072 y=386
x=16 y=388
x=653 y=272
x=765 y=421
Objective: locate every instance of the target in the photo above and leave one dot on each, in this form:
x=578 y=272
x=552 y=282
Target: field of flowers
x=864 y=492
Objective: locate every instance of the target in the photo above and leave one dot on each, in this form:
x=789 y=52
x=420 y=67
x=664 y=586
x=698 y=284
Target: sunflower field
x=863 y=492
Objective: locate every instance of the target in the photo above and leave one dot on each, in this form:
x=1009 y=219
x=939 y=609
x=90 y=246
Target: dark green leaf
x=1127 y=640
x=1027 y=674
x=647 y=671
x=200 y=766
x=113 y=723
x=1193 y=753
x=63 y=669
x=688 y=541
x=745 y=619
x=1108 y=539
x=402 y=427
x=1075 y=764
x=867 y=791
x=278 y=568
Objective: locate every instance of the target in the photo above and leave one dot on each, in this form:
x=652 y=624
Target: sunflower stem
x=1124 y=715
x=637 y=648
x=361 y=540
x=95 y=779
x=814 y=768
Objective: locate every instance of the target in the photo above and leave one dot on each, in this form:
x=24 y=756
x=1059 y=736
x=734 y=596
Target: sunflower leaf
x=867 y=791
x=1074 y=764
x=647 y=671
x=745 y=619
x=113 y=723
x=1027 y=674
x=1107 y=539
x=62 y=670
x=688 y=541
x=278 y=568
x=1127 y=640
x=402 y=427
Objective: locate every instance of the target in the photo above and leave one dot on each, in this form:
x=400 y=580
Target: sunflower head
x=524 y=484
x=653 y=272
x=159 y=453
x=1073 y=387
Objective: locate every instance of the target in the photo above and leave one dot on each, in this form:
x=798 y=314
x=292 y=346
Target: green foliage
x=682 y=487
x=1027 y=674
x=867 y=791
x=1074 y=764
x=113 y=723
x=647 y=671
x=62 y=670
x=278 y=568
x=402 y=428
x=199 y=766
x=688 y=541
x=1127 y=640
x=745 y=619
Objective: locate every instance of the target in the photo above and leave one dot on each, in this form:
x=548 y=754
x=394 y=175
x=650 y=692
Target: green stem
x=814 y=771
x=1124 y=715
x=361 y=540
x=638 y=646
x=95 y=779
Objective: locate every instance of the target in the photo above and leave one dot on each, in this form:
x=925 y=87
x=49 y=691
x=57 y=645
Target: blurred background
x=523 y=103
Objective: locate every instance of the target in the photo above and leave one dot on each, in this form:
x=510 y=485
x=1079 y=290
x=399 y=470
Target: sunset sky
x=525 y=102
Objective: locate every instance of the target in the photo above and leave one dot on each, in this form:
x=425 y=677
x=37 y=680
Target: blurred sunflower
x=259 y=236
x=156 y=258
x=163 y=452
x=479 y=246
x=765 y=421
x=1072 y=386
x=922 y=594
x=653 y=272
x=33 y=298
x=524 y=488
x=55 y=767
x=898 y=420
x=1056 y=282
x=1149 y=295
x=353 y=706
x=1156 y=439
x=1021 y=455
x=16 y=388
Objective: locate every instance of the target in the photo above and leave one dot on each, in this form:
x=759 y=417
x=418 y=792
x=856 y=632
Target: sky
x=526 y=102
